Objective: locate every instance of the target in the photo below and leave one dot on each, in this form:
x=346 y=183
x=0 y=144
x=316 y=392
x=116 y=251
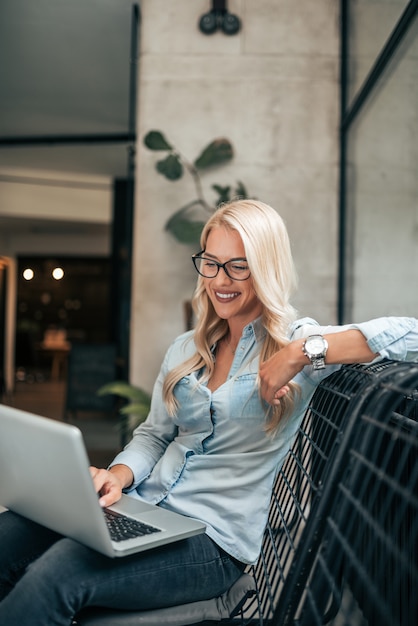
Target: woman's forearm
x=348 y=346
x=123 y=473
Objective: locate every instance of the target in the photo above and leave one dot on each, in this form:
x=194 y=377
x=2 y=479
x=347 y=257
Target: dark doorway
x=60 y=301
x=3 y=279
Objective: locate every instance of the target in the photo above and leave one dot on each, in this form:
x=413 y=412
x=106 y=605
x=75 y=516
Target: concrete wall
x=273 y=91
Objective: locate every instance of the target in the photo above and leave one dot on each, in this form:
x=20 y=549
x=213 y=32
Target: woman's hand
x=278 y=371
x=278 y=395
x=109 y=483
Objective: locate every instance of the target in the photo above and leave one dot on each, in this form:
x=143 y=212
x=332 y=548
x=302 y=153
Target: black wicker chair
x=365 y=570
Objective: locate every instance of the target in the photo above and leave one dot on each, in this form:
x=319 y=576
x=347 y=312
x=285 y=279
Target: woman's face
x=231 y=299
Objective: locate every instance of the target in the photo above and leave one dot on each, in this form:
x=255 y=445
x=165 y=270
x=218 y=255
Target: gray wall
x=273 y=91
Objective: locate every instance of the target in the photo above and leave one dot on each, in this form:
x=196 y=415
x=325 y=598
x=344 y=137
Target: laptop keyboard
x=122 y=527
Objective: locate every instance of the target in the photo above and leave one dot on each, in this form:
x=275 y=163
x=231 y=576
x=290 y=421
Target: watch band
x=316 y=357
x=318 y=362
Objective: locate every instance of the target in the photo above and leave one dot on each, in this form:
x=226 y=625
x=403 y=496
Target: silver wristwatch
x=315 y=348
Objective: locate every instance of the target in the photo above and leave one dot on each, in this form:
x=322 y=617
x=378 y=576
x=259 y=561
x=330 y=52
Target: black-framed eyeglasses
x=236 y=269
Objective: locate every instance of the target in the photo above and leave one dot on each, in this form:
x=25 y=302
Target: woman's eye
x=239 y=267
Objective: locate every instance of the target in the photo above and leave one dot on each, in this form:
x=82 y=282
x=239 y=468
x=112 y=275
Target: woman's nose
x=222 y=277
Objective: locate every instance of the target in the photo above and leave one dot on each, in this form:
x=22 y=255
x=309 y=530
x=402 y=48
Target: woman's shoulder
x=298 y=328
x=182 y=348
x=184 y=338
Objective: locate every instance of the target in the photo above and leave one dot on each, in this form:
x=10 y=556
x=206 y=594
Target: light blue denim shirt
x=214 y=461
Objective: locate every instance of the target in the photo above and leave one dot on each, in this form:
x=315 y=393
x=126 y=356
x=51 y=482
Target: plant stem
x=197 y=182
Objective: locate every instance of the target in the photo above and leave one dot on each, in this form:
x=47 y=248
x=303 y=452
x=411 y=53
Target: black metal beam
x=123 y=220
x=387 y=53
x=135 y=23
x=342 y=227
x=48 y=140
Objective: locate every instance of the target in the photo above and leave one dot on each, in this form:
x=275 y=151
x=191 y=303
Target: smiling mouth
x=226 y=297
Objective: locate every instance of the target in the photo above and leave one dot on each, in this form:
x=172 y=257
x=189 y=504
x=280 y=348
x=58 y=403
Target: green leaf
x=223 y=193
x=124 y=390
x=154 y=140
x=217 y=152
x=138 y=409
x=170 y=167
x=184 y=229
x=240 y=190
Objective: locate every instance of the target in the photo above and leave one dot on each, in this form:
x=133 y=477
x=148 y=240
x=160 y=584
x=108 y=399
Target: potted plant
x=183 y=224
x=134 y=404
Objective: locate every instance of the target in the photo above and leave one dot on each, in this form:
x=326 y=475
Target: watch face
x=315 y=345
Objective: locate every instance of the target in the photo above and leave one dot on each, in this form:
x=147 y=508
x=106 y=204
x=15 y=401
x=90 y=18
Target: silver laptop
x=44 y=475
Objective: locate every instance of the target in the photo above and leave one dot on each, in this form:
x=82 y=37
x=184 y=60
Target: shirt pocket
x=193 y=413
x=244 y=399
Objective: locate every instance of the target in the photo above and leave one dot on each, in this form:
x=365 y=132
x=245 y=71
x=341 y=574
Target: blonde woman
x=226 y=405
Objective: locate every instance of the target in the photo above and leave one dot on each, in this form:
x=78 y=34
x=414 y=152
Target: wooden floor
x=101 y=432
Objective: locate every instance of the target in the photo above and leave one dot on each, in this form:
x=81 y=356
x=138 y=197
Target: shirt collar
x=255 y=328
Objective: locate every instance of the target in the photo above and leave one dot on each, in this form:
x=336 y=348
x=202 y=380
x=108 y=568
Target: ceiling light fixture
x=28 y=273
x=58 y=273
x=219 y=18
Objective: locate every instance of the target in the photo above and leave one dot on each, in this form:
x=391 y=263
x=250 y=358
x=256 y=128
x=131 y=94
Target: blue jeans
x=47 y=579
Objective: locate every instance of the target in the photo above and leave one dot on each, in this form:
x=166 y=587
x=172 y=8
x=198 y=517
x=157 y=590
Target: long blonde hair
x=267 y=249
